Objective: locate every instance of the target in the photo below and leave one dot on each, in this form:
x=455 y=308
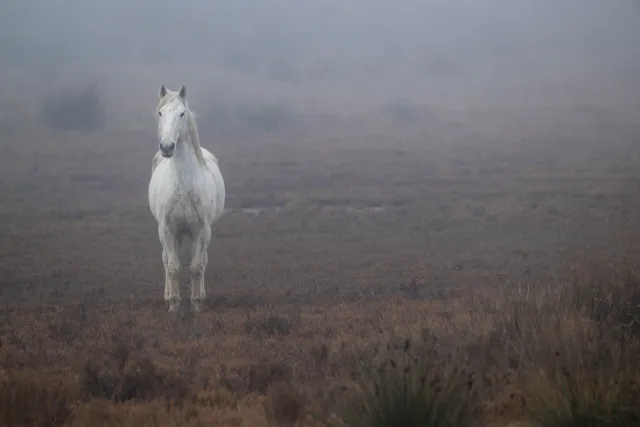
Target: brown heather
x=482 y=272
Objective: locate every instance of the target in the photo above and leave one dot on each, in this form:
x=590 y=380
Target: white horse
x=186 y=196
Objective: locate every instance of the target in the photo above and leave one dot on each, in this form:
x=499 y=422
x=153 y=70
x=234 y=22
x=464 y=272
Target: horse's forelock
x=172 y=96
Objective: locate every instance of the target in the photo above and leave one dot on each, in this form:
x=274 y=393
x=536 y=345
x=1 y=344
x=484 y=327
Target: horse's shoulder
x=156 y=161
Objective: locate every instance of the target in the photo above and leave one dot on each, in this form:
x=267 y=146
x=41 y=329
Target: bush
x=255 y=377
x=283 y=405
x=412 y=387
x=270 y=326
x=533 y=324
x=74 y=108
x=27 y=401
x=575 y=348
x=598 y=385
x=125 y=375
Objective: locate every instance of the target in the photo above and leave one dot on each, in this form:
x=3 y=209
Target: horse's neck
x=185 y=162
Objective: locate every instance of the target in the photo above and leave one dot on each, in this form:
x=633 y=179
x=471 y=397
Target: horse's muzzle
x=167 y=148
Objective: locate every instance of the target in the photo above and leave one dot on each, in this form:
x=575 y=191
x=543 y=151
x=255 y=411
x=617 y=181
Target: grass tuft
x=410 y=387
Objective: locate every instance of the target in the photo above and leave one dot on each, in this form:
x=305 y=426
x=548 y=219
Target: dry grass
x=412 y=385
x=473 y=246
x=574 y=350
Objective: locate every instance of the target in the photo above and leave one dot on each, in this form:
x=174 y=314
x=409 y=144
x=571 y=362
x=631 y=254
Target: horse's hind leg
x=172 y=268
x=198 y=267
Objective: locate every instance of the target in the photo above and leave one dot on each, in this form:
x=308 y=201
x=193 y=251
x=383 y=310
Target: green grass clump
x=411 y=387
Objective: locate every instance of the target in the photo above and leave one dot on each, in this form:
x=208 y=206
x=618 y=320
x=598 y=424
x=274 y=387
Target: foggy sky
x=307 y=39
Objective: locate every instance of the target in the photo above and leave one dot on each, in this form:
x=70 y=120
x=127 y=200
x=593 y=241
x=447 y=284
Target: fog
x=327 y=55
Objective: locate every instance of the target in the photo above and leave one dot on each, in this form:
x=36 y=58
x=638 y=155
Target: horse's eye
x=182 y=114
x=159 y=113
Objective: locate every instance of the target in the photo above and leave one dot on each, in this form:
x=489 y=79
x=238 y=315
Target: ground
x=334 y=242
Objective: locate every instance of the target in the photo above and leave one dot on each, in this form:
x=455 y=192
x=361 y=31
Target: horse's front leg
x=172 y=267
x=198 y=267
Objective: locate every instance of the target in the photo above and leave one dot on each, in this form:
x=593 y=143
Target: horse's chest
x=185 y=213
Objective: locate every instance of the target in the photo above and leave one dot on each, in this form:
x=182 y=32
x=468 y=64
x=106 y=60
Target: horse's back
x=208 y=155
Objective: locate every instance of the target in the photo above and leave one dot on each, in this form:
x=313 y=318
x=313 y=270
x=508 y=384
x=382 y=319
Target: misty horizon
x=317 y=43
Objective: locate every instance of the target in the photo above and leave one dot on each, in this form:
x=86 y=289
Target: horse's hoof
x=196 y=306
x=173 y=306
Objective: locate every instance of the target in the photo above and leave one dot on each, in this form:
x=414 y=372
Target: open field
x=450 y=225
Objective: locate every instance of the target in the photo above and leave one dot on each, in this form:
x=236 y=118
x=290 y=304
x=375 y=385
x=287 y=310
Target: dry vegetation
x=411 y=267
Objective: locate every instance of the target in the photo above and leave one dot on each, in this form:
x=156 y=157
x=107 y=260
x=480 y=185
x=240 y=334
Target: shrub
x=599 y=385
x=576 y=350
x=412 y=387
x=283 y=405
x=269 y=326
x=125 y=375
x=26 y=401
x=74 y=108
x=255 y=377
x=534 y=324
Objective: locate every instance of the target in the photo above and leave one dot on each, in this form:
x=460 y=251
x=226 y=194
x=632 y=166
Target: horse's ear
x=163 y=91
x=183 y=92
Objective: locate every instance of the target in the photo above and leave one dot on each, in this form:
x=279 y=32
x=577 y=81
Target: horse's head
x=172 y=114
